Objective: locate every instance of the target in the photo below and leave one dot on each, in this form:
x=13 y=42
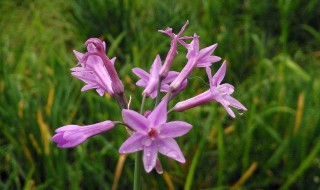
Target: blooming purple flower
x=72 y=135
x=105 y=77
x=196 y=58
x=96 y=47
x=217 y=92
x=150 y=81
x=173 y=48
x=153 y=135
x=93 y=73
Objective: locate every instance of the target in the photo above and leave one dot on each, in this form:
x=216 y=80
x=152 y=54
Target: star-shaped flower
x=153 y=134
x=150 y=81
x=217 y=92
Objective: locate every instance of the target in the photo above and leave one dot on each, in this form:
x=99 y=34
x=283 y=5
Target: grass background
x=272 y=49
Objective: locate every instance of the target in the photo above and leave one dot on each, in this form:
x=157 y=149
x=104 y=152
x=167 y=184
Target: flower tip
x=214 y=46
x=182 y=160
x=95 y=44
x=55 y=137
x=121 y=151
x=167 y=31
x=183 y=28
x=92 y=40
x=148 y=168
x=113 y=60
x=78 y=54
x=160 y=172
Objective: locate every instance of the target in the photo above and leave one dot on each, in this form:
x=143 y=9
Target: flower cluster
x=150 y=132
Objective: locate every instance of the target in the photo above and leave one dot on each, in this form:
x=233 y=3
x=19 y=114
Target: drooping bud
x=73 y=135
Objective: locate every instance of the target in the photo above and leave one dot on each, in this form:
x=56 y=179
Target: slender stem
x=142 y=104
x=171 y=110
x=137 y=171
x=138 y=162
x=169 y=95
x=124 y=124
x=158 y=91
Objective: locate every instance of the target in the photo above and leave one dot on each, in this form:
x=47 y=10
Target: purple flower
x=173 y=48
x=98 y=71
x=196 y=58
x=96 y=47
x=150 y=81
x=72 y=135
x=217 y=92
x=93 y=73
x=153 y=135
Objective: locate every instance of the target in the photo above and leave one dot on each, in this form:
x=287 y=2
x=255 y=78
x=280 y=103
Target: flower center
x=153 y=133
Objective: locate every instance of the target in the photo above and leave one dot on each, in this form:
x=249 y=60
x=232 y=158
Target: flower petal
x=207 y=51
x=167 y=31
x=207 y=62
x=74 y=142
x=235 y=103
x=67 y=128
x=193 y=47
x=74 y=136
x=170 y=148
x=97 y=128
x=174 y=129
x=226 y=89
x=113 y=59
x=132 y=144
x=229 y=110
x=156 y=66
x=141 y=83
x=135 y=120
x=100 y=91
x=159 y=115
x=153 y=94
x=164 y=88
x=88 y=87
x=150 y=157
x=58 y=138
x=79 y=69
x=158 y=167
x=170 y=77
x=78 y=55
x=141 y=73
x=212 y=84
x=87 y=77
x=183 y=28
x=218 y=77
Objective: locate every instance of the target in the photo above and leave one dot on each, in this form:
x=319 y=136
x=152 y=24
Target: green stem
x=171 y=110
x=158 y=91
x=138 y=162
x=137 y=171
x=142 y=104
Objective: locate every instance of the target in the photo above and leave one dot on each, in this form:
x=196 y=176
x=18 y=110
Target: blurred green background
x=273 y=54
